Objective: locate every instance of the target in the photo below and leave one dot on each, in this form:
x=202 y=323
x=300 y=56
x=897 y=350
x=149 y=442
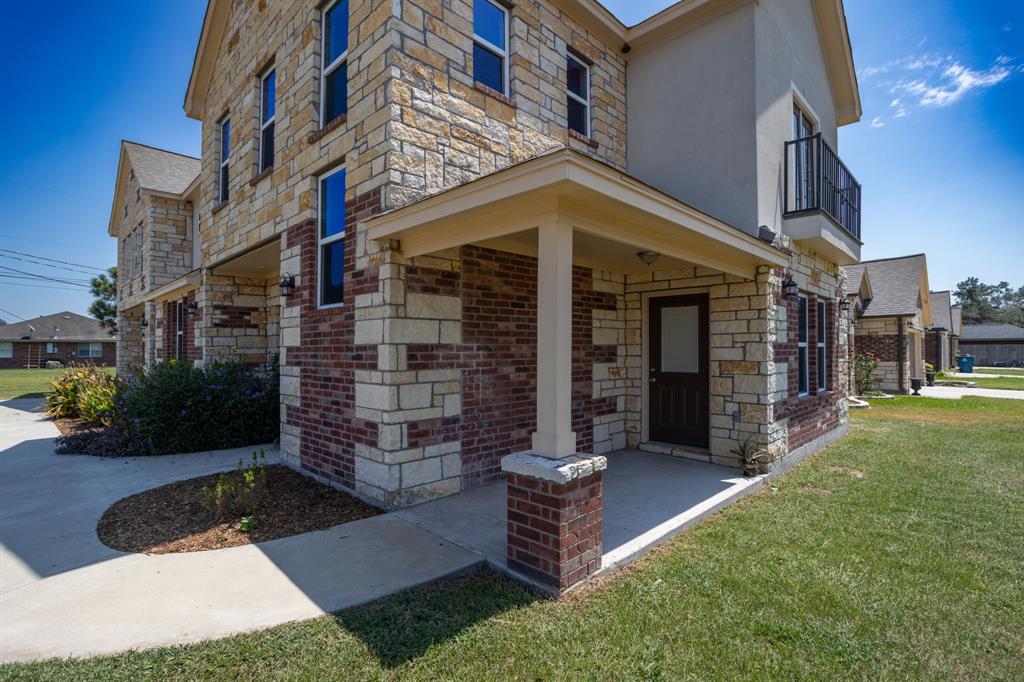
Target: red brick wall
x=67 y=354
x=328 y=357
x=884 y=346
x=817 y=413
x=167 y=349
x=554 y=530
x=498 y=358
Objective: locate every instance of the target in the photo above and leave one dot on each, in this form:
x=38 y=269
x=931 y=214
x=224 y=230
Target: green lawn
x=1001 y=370
x=24 y=383
x=1013 y=383
x=898 y=553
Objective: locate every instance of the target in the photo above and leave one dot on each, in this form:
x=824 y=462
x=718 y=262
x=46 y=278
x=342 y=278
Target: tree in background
x=985 y=303
x=104 y=308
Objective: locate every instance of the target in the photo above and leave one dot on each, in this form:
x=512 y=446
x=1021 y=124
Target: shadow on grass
x=401 y=627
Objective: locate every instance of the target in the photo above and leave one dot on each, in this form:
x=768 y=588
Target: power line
x=43 y=241
x=75 y=282
x=37 y=286
x=55 y=260
x=48 y=189
x=38 y=276
x=8 y=312
x=47 y=265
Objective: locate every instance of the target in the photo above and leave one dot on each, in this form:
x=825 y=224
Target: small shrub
x=86 y=392
x=863 y=372
x=752 y=457
x=237 y=494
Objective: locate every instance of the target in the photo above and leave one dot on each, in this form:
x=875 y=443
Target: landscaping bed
x=172 y=518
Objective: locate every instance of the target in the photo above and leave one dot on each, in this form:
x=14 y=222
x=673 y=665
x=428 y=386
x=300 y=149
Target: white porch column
x=554 y=436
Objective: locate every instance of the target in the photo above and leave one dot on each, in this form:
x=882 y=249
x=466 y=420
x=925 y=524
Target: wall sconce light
x=142 y=326
x=192 y=308
x=648 y=257
x=789 y=287
x=845 y=304
x=287 y=284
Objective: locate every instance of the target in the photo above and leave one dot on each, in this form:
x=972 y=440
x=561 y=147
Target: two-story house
x=479 y=228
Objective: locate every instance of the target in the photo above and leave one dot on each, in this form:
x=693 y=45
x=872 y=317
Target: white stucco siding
x=698 y=142
x=788 y=57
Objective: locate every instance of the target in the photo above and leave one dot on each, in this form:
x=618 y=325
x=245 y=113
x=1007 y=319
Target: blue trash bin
x=965 y=363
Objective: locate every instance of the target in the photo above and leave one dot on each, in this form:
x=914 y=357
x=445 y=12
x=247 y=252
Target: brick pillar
x=555 y=510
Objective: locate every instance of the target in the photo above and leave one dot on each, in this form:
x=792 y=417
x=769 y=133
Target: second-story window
x=822 y=359
x=577 y=90
x=490 y=45
x=334 y=69
x=225 y=155
x=331 y=237
x=803 y=129
x=267 y=93
x=802 y=357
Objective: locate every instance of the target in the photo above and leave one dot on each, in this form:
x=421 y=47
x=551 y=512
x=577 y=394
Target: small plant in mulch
x=752 y=457
x=237 y=494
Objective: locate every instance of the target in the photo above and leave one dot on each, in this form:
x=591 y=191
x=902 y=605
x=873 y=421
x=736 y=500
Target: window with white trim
x=803 y=361
x=577 y=91
x=224 y=157
x=90 y=349
x=820 y=341
x=6 y=349
x=334 y=62
x=179 y=329
x=490 y=45
x=51 y=347
x=268 y=90
x=331 y=238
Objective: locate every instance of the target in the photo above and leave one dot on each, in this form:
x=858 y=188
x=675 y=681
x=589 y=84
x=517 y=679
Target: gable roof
x=156 y=170
x=992 y=332
x=957 y=313
x=830 y=19
x=942 y=315
x=899 y=286
x=65 y=326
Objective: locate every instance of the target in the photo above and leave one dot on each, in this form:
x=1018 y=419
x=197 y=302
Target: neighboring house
x=993 y=343
x=431 y=212
x=891 y=323
x=67 y=338
x=957 y=317
x=940 y=338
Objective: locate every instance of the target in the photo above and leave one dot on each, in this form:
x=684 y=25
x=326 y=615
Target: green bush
x=174 y=407
x=237 y=494
x=86 y=392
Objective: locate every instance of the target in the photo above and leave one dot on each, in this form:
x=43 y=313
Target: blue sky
x=940 y=150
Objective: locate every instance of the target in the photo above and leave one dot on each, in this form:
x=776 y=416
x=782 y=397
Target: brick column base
x=555 y=510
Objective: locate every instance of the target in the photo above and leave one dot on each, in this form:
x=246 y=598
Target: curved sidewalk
x=63 y=593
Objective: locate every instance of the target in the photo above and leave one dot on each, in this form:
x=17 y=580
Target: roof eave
x=835 y=40
x=210 y=37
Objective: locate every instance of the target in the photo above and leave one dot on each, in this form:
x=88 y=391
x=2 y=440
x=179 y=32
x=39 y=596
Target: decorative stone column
x=555 y=510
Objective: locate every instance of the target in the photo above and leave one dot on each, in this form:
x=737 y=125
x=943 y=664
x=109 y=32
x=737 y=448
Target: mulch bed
x=78 y=437
x=172 y=519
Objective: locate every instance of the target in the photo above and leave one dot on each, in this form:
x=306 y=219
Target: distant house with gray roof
x=993 y=344
x=66 y=337
x=940 y=338
x=893 y=310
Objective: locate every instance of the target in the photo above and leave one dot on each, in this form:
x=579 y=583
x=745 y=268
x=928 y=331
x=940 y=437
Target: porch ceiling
x=262 y=262
x=613 y=216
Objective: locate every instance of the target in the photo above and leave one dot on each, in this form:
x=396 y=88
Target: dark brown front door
x=678 y=360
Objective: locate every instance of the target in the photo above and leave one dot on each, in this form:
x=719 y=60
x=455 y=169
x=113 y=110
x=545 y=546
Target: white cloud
x=876 y=122
x=955 y=81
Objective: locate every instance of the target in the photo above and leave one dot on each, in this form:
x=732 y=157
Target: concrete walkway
x=957 y=392
x=63 y=593
x=978 y=375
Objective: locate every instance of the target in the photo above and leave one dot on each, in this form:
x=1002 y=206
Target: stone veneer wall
x=880 y=337
x=131 y=351
x=239 y=319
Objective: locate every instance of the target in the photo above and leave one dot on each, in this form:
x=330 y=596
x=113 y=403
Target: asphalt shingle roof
x=65 y=326
x=895 y=284
x=992 y=332
x=941 y=315
x=957 y=320
x=161 y=170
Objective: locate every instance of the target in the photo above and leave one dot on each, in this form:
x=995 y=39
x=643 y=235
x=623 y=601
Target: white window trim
x=804 y=366
x=321 y=241
x=503 y=53
x=51 y=345
x=269 y=122
x=585 y=101
x=820 y=342
x=179 y=330
x=224 y=159
x=327 y=69
x=6 y=349
x=93 y=347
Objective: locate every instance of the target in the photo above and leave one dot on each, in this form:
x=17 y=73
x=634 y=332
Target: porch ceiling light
x=287 y=284
x=790 y=287
x=648 y=257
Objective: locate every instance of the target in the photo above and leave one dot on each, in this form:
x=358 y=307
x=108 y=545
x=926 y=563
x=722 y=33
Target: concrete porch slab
x=648 y=498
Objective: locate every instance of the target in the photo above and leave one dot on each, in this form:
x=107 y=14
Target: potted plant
x=929 y=373
x=915 y=385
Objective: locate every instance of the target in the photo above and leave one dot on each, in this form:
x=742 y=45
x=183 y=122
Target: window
x=803 y=128
x=179 y=329
x=331 y=237
x=90 y=349
x=267 y=93
x=802 y=359
x=225 y=155
x=577 y=90
x=490 y=45
x=334 y=66
x=6 y=349
x=820 y=340
x=132 y=252
x=51 y=347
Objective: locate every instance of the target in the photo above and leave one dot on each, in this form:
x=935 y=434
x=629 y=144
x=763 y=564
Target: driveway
x=956 y=392
x=64 y=593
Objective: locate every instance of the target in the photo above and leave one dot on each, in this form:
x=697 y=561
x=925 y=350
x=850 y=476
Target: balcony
x=822 y=199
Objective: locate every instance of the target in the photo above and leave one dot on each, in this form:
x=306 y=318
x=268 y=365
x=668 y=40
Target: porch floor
x=648 y=498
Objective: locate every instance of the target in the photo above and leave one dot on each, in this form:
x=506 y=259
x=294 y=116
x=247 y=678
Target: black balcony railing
x=816 y=180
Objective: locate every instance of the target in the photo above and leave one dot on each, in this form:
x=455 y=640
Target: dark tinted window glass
x=332 y=272
x=225 y=140
x=487 y=68
x=336 y=93
x=577 y=116
x=803 y=369
x=267 y=149
x=821 y=322
x=224 y=183
x=489 y=23
x=336 y=32
x=269 y=88
x=802 y=323
x=576 y=78
x=332 y=204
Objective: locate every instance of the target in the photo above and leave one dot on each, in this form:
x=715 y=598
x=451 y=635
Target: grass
x=28 y=383
x=898 y=553
x=1012 y=383
x=1000 y=370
